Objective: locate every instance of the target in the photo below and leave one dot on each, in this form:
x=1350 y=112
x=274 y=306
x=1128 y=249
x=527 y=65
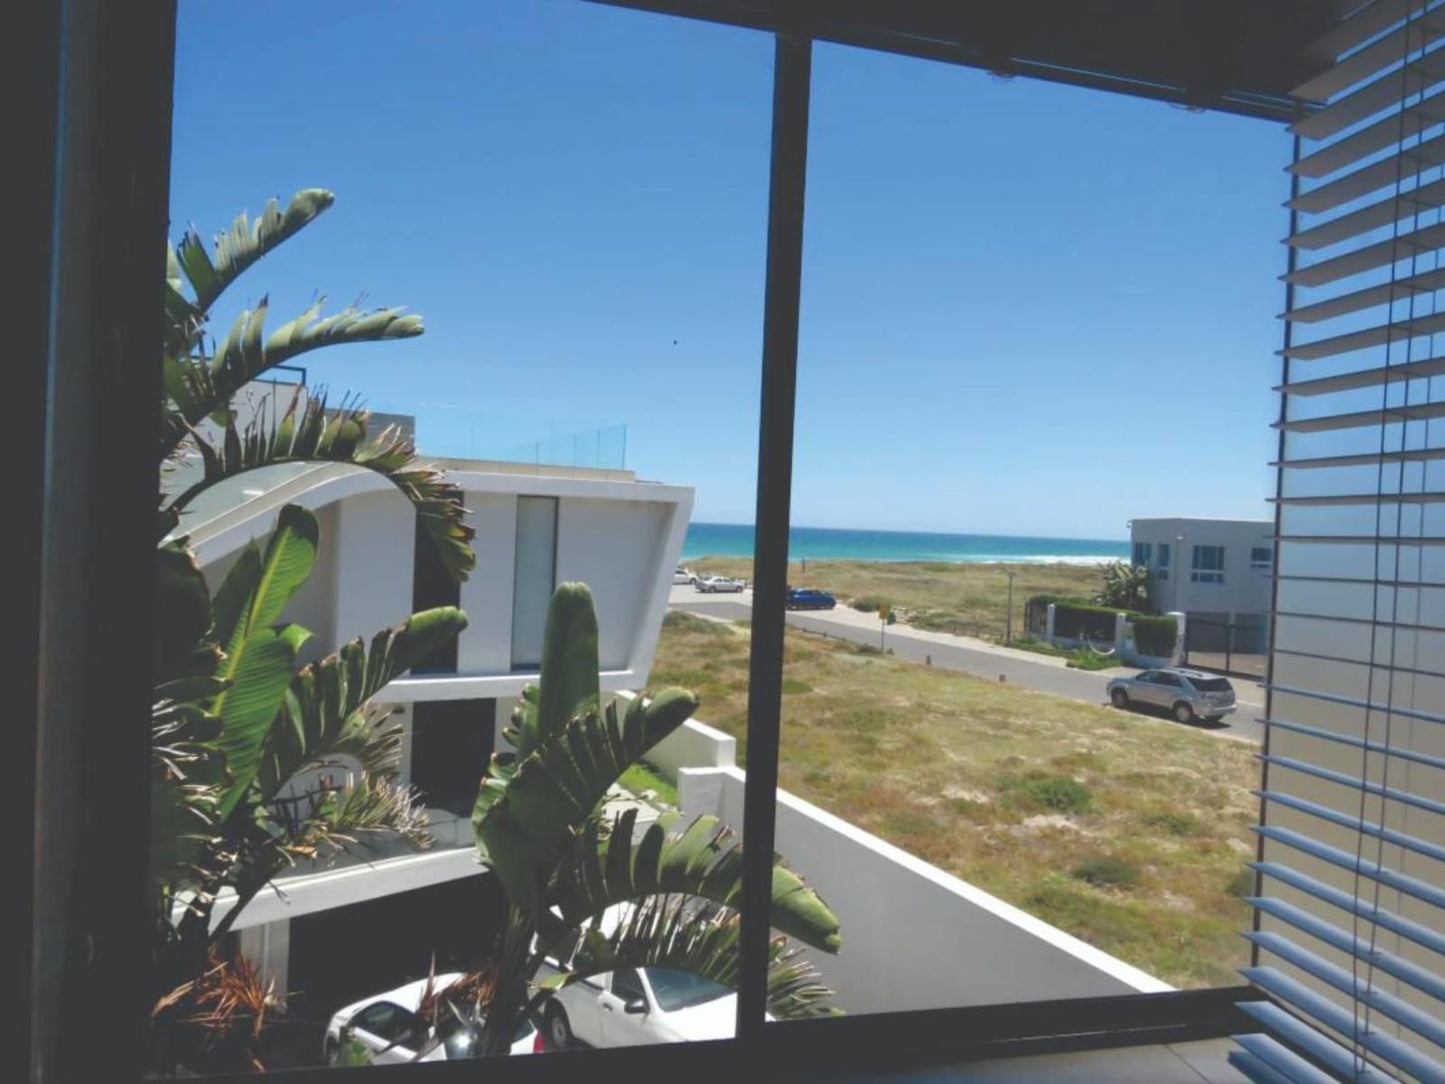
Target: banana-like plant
x=1125 y=585
x=540 y=827
x=246 y=747
x=201 y=381
x=244 y=740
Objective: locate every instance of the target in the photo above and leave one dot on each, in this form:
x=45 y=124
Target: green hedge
x=1078 y=617
x=1155 y=635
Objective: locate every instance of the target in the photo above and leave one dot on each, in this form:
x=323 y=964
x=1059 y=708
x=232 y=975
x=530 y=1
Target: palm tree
x=1125 y=586
x=541 y=828
x=244 y=745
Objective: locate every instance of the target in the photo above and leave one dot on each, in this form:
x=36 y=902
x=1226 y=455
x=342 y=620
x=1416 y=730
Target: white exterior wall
x=374 y=563
x=1245 y=590
x=621 y=537
x=617 y=548
x=959 y=945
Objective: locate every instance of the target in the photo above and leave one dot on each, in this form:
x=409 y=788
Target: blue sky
x=1027 y=309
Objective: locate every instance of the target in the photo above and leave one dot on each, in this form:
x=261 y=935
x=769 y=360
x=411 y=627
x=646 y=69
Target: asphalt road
x=1041 y=677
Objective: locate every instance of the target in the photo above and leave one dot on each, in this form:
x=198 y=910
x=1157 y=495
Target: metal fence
x=1238 y=646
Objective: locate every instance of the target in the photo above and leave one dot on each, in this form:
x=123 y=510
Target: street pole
x=1008 y=633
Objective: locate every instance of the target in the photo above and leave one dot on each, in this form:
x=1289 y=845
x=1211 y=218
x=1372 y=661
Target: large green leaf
x=200 y=391
x=183 y=616
x=527 y=820
x=308 y=431
x=322 y=716
x=258 y=587
x=568 y=679
x=244 y=243
x=663 y=934
x=249 y=706
x=259 y=656
x=701 y=858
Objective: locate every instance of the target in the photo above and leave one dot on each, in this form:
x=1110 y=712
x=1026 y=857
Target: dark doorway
x=431 y=586
x=349 y=953
x=451 y=741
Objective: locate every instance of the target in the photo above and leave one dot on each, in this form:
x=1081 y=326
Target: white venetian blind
x=1349 y=938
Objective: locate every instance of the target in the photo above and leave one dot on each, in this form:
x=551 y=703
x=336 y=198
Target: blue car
x=808 y=598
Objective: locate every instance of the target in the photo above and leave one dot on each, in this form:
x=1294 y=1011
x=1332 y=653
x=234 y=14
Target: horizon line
x=897 y=530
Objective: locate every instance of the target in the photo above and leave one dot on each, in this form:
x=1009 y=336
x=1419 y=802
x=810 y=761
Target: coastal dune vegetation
x=1126 y=831
x=960 y=597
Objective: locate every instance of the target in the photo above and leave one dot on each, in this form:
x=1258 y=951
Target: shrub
x=1175 y=823
x=868 y=604
x=1241 y=884
x=682 y=621
x=1107 y=870
x=1080 y=619
x=1039 y=790
x=1155 y=635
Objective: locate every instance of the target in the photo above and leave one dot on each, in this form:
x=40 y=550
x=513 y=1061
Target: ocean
x=822 y=543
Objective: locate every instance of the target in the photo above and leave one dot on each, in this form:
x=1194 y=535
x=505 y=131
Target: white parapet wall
x=692 y=745
x=915 y=937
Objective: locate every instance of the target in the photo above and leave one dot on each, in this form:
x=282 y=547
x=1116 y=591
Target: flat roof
x=1238 y=56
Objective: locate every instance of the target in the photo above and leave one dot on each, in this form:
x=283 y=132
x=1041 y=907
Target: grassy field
x=1128 y=832
x=970 y=599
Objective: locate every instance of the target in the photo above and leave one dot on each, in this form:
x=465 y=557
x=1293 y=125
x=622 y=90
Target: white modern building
x=536 y=526
x=1219 y=572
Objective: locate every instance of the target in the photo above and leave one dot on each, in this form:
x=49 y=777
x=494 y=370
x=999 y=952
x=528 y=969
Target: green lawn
x=1129 y=832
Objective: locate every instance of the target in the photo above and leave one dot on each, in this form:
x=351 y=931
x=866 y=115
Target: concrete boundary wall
x=692 y=745
x=915 y=937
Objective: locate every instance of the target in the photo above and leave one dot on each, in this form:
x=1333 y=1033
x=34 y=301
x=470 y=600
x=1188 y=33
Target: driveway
x=1039 y=673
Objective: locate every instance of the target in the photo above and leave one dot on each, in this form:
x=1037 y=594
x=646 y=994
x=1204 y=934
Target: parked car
x=636 y=1005
x=684 y=575
x=712 y=584
x=1185 y=694
x=810 y=598
x=390 y=1026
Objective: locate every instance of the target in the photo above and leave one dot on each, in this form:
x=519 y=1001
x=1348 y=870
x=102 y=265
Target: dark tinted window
x=385 y=1021
x=1210 y=685
x=628 y=985
x=1167 y=679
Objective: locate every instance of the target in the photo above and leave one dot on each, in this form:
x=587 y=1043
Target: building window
x=1162 y=573
x=1208 y=564
x=1261 y=557
x=534 y=578
x=1141 y=554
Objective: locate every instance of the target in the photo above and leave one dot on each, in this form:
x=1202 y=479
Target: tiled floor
x=1184 y=1063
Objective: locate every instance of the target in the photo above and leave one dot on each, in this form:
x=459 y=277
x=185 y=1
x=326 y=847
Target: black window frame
x=100 y=133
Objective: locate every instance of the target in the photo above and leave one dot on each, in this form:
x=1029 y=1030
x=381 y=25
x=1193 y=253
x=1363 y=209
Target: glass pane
x=980 y=358
x=570 y=202
x=536 y=571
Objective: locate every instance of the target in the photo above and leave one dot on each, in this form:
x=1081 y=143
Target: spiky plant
x=541 y=827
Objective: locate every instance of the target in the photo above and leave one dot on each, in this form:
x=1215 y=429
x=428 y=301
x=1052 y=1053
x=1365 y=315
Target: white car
x=635 y=1006
x=684 y=575
x=712 y=584
x=389 y=1026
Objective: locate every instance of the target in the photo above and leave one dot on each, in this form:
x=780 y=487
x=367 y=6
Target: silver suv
x=1185 y=694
